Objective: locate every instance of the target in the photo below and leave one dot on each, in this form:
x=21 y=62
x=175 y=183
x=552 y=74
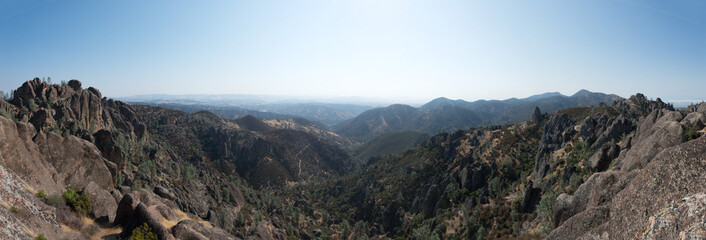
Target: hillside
x=389 y=143
x=372 y=123
x=183 y=175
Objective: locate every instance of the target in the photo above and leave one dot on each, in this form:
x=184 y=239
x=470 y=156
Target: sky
x=368 y=48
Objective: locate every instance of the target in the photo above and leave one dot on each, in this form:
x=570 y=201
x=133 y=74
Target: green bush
x=79 y=202
x=424 y=233
x=13 y=209
x=545 y=209
x=41 y=237
x=143 y=232
x=41 y=194
x=691 y=134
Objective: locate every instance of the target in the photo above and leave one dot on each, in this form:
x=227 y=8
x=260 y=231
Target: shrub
x=41 y=237
x=545 y=208
x=8 y=115
x=56 y=201
x=79 y=202
x=424 y=233
x=691 y=133
x=41 y=195
x=91 y=230
x=143 y=232
x=13 y=209
x=68 y=218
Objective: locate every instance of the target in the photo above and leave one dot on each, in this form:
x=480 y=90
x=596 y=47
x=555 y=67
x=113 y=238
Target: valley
x=446 y=170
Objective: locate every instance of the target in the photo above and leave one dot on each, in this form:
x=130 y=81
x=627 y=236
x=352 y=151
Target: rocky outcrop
x=603 y=157
x=530 y=198
x=105 y=142
x=671 y=175
x=557 y=131
x=694 y=120
x=52 y=106
x=21 y=155
x=701 y=108
x=598 y=190
x=76 y=160
x=536 y=115
x=659 y=130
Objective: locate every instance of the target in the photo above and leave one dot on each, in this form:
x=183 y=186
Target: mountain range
x=443 y=114
x=77 y=165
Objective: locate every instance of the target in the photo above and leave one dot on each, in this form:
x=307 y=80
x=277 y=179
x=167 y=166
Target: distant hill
x=328 y=113
x=226 y=112
x=446 y=114
x=389 y=143
x=400 y=117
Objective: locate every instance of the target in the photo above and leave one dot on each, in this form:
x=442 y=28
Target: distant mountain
x=321 y=112
x=400 y=117
x=515 y=110
x=317 y=129
x=328 y=113
x=226 y=112
x=389 y=143
x=446 y=114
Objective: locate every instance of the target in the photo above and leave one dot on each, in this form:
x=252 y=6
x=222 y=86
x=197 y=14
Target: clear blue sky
x=372 y=48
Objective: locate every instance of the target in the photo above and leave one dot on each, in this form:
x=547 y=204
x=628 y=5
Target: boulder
x=75 y=84
x=598 y=190
x=188 y=229
x=42 y=119
x=530 y=198
x=126 y=207
x=140 y=216
x=694 y=120
x=603 y=157
x=104 y=205
x=76 y=160
x=432 y=196
x=104 y=141
x=393 y=217
x=701 y=108
x=163 y=192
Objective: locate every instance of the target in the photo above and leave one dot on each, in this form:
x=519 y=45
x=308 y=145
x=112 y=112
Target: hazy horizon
x=408 y=50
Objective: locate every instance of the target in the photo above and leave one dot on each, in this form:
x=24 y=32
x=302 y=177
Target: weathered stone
x=75 y=84
x=536 y=115
x=77 y=161
x=143 y=215
x=104 y=205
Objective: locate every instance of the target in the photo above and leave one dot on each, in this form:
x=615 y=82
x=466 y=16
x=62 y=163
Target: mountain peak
x=582 y=92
